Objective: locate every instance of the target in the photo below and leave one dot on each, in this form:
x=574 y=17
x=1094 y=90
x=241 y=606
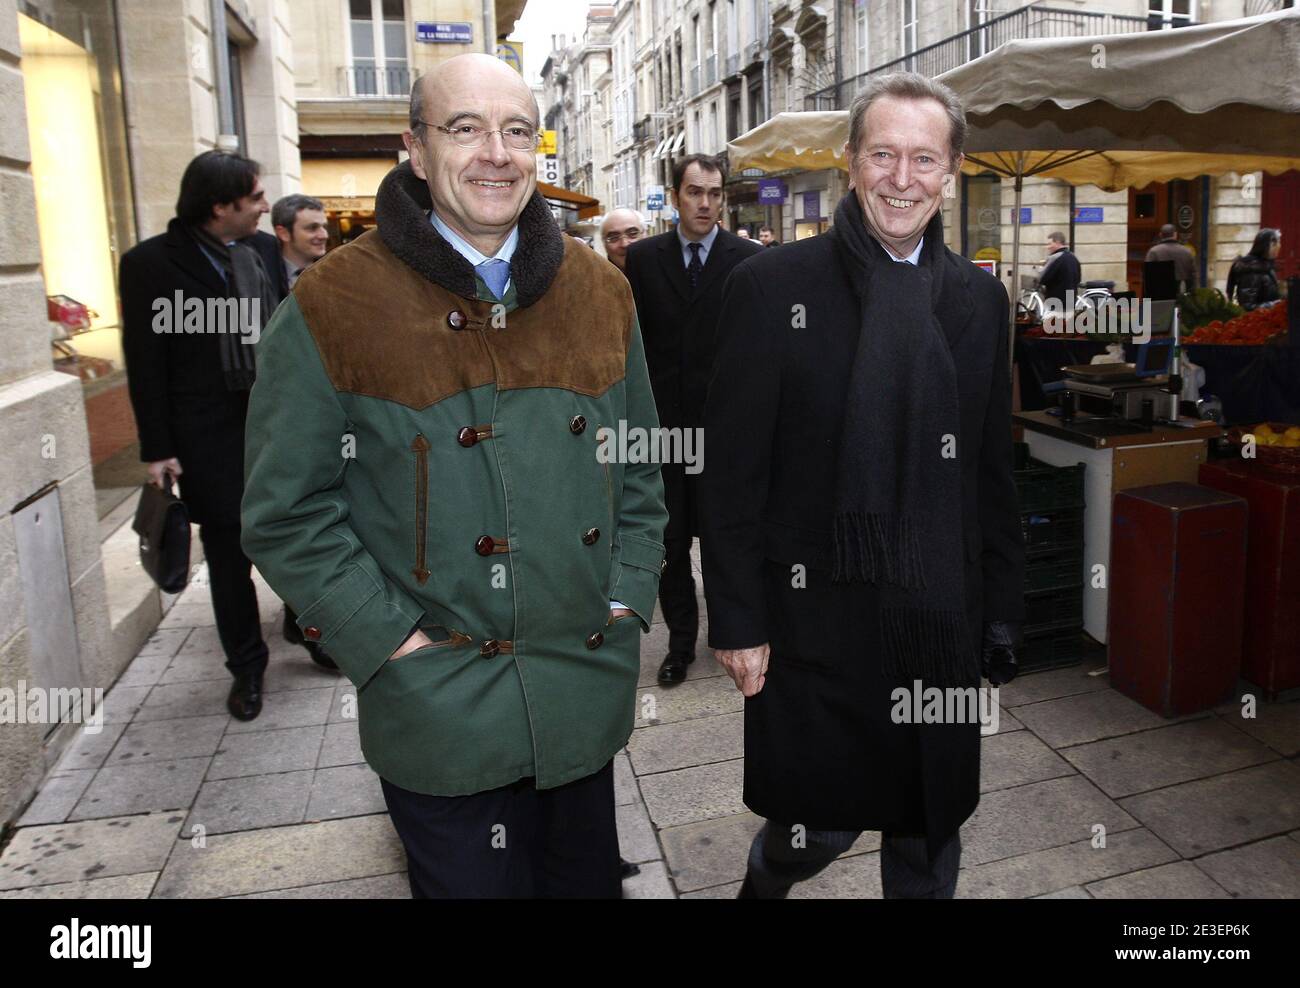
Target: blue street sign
x=1087 y=214
x=1026 y=215
x=442 y=33
x=771 y=190
x=655 y=200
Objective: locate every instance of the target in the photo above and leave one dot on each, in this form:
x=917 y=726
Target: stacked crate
x=1051 y=520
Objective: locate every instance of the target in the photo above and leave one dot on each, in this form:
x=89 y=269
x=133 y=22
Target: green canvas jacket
x=418 y=454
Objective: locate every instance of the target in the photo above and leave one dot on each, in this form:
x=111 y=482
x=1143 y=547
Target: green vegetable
x=1204 y=305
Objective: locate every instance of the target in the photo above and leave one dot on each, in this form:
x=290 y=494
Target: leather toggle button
x=467 y=436
x=590 y=536
x=490 y=649
x=456 y=319
x=595 y=640
x=485 y=545
x=312 y=633
x=577 y=425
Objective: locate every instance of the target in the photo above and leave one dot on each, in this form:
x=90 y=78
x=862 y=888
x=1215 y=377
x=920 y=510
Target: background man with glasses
x=424 y=490
x=621 y=229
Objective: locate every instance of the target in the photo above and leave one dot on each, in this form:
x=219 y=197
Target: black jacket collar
x=401 y=216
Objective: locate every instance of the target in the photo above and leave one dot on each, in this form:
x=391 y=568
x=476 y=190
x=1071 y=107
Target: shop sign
x=654 y=198
x=771 y=190
x=1088 y=214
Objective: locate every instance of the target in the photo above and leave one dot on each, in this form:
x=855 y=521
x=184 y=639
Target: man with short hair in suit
x=677 y=280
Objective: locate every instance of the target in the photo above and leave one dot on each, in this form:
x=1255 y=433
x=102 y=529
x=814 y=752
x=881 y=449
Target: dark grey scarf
x=246 y=280
x=897 y=496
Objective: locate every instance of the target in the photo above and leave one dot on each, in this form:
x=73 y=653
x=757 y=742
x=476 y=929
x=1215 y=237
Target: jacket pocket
x=420 y=448
x=453 y=639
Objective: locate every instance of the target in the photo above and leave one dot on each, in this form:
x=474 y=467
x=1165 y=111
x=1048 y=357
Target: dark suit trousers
x=677 y=586
x=906 y=870
x=234 y=598
x=514 y=842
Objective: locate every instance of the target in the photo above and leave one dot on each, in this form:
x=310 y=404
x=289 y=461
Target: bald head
x=621 y=229
x=473 y=121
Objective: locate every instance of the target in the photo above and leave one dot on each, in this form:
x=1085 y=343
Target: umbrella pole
x=1015 y=263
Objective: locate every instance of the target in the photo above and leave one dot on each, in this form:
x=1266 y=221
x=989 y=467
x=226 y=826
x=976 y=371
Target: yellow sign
x=548 y=143
x=512 y=53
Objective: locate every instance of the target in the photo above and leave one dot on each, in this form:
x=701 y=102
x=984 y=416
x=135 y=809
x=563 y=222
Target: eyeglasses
x=613 y=238
x=518 y=137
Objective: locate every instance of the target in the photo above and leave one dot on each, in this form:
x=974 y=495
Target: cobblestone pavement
x=1206 y=806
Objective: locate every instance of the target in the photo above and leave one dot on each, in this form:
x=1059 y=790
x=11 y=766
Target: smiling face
x=237 y=220
x=478 y=192
x=308 y=239
x=621 y=229
x=898 y=170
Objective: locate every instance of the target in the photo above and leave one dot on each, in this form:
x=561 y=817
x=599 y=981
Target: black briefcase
x=163 y=523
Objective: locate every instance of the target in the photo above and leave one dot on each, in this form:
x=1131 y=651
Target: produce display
x=1267 y=435
x=1205 y=305
x=1250 y=328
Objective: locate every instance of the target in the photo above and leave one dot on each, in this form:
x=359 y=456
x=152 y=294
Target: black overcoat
x=820 y=746
x=679 y=329
x=178 y=391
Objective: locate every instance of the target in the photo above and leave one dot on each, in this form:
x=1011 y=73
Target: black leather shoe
x=245 y=700
x=673 y=669
x=292 y=633
x=746 y=889
x=627 y=869
x=319 y=657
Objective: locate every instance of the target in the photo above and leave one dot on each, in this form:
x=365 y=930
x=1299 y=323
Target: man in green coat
x=426 y=488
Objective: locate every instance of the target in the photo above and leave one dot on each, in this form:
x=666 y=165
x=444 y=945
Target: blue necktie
x=495 y=273
x=695 y=267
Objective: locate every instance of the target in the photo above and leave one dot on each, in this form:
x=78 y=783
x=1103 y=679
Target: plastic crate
x=1055 y=530
x=1041 y=487
x=1052 y=649
x=1053 y=610
x=1054 y=571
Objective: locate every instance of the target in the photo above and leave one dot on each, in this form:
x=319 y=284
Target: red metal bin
x=1177 y=572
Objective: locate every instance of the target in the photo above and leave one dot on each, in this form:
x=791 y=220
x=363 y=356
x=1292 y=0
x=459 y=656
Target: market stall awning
x=556 y=196
x=810 y=140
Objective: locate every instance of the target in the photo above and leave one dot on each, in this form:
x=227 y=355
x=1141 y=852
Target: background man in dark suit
x=189 y=390
x=1061 y=272
x=860 y=523
x=677 y=280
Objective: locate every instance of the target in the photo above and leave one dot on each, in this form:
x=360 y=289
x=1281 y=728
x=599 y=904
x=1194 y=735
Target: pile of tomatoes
x=1252 y=328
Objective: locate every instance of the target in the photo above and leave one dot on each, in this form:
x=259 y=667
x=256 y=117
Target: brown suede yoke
x=385 y=331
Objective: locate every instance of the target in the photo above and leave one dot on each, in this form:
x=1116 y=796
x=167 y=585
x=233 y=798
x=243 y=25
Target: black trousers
x=234 y=599
x=514 y=842
x=677 y=598
x=779 y=857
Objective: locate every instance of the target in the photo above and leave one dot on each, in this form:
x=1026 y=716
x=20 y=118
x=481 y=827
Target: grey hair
x=908 y=85
x=286 y=209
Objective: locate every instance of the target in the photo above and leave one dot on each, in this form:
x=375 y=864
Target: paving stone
x=58 y=795
x=1073 y=892
x=345 y=790
x=1015 y=758
x=1177 y=880
x=856 y=877
x=250 y=803
x=1267 y=869
x=696 y=793
x=1007 y=722
x=1087 y=717
x=267 y=752
x=201 y=657
x=1070 y=865
x=691 y=699
x=298 y=672
x=292 y=708
x=145 y=670
x=1035 y=687
x=184 y=614
x=167 y=740
x=342 y=746
x=121 y=789
x=728 y=891
x=173 y=700
x=283 y=857
x=91 y=750
x=1275 y=724
x=165 y=642
x=625 y=787
x=654 y=648
x=712 y=852
x=1166 y=756
x=1036 y=816
x=690 y=742
x=123 y=703
x=636 y=836
x=73 y=852
x=1212 y=814
x=394 y=886
x=120 y=887
x=651 y=883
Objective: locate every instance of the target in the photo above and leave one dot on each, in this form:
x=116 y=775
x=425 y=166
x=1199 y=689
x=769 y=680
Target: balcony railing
x=367 y=81
x=733 y=65
x=710 y=70
x=1033 y=21
x=753 y=52
x=694 y=84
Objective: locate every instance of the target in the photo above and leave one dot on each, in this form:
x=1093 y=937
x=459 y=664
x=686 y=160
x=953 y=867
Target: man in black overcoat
x=677 y=280
x=861 y=541
x=194 y=300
